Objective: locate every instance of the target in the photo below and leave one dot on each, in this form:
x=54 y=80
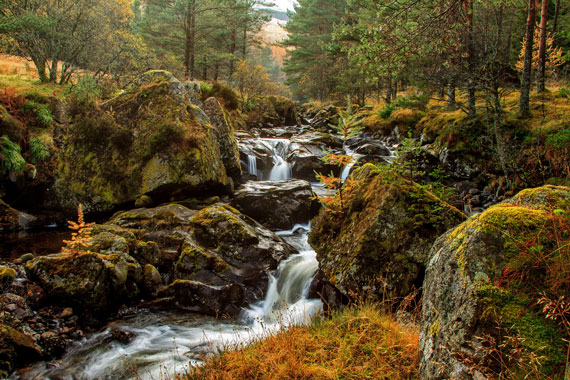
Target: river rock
x=150 y=140
x=378 y=243
x=373 y=148
x=307 y=152
x=16 y=350
x=89 y=281
x=225 y=136
x=7 y=276
x=478 y=285
x=276 y=204
x=14 y=220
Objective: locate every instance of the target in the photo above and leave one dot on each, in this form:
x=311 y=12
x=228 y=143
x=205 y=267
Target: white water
x=166 y=344
x=281 y=170
x=348 y=167
x=252 y=164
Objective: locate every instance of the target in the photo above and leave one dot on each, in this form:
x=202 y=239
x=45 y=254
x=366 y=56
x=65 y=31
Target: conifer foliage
x=80 y=237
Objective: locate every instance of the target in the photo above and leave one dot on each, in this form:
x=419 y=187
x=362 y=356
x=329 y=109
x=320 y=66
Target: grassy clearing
x=357 y=343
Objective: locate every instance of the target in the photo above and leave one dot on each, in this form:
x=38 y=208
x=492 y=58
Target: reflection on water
x=40 y=242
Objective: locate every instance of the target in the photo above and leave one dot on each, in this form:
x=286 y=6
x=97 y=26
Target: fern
x=38 y=111
x=39 y=151
x=10 y=156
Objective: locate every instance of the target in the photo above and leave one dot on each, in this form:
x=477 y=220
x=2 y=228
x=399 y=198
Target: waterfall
x=279 y=149
x=348 y=167
x=165 y=344
x=252 y=164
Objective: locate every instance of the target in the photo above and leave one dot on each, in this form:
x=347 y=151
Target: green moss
x=7 y=275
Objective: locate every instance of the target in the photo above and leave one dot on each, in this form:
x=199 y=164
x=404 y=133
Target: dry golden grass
x=358 y=343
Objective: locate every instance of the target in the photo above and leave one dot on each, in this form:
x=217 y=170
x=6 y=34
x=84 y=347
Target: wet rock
x=276 y=204
x=66 y=313
x=91 y=282
x=26 y=257
x=152 y=279
x=122 y=336
x=379 y=244
x=16 y=350
x=52 y=344
x=208 y=299
x=373 y=148
x=14 y=220
x=465 y=295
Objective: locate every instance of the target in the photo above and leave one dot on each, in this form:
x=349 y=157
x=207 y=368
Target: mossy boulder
x=486 y=278
x=16 y=350
x=272 y=111
x=225 y=136
x=89 y=281
x=7 y=276
x=10 y=126
x=150 y=140
x=378 y=242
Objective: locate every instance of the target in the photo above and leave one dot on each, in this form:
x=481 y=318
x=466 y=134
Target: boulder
x=484 y=285
x=150 y=140
x=7 y=276
x=276 y=204
x=272 y=111
x=372 y=148
x=90 y=281
x=16 y=350
x=377 y=244
x=225 y=136
x=14 y=220
x=306 y=154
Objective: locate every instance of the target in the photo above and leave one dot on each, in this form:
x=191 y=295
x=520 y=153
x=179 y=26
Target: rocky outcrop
x=378 y=242
x=151 y=140
x=276 y=204
x=14 y=220
x=272 y=111
x=225 y=136
x=483 y=283
x=307 y=151
x=217 y=255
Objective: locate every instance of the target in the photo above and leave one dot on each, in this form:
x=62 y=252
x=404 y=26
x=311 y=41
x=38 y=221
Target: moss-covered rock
x=225 y=136
x=150 y=140
x=11 y=127
x=90 y=281
x=485 y=279
x=16 y=350
x=379 y=242
x=272 y=111
x=7 y=276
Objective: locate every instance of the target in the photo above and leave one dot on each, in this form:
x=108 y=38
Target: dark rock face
x=217 y=255
x=372 y=149
x=150 y=140
x=276 y=204
x=380 y=242
x=14 y=220
x=225 y=136
x=466 y=296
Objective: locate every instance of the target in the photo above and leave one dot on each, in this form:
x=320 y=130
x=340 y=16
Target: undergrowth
x=357 y=343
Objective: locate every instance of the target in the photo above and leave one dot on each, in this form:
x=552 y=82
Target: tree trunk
x=441 y=91
x=555 y=21
x=541 y=70
x=451 y=103
x=388 y=97
x=524 y=104
x=471 y=105
x=244 y=48
x=41 y=69
x=53 y=71
x=192 y=44
x=232 y=51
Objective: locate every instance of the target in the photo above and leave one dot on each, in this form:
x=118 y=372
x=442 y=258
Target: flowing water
x=165 y=344
x=252 y=164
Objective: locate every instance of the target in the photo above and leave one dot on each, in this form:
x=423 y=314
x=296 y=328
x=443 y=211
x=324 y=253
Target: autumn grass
x=357 y=343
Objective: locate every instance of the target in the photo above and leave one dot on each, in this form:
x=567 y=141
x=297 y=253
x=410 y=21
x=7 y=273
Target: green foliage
x=386 y=112
x=409 y=155
x=39 y=111
x=414 y=102
x=10 y=156
x=560 y=139
x=38 y=150
x=82 y=94
x=564 y=92
x=205 y=87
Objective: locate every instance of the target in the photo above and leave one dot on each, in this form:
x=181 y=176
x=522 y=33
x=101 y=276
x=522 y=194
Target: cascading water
x=165 y=344
x=281 y=168
x=252 y=164
x=348 y=167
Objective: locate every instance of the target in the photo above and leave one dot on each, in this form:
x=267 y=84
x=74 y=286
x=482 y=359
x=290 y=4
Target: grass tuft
x=358 y=343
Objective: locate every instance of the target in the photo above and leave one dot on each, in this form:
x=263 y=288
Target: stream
x=157 y=345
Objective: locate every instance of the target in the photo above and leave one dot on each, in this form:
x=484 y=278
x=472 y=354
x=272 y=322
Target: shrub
x=386 y=112
x=38 y=150
x=10 y=156
x=415 y=101
x=39 y=111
